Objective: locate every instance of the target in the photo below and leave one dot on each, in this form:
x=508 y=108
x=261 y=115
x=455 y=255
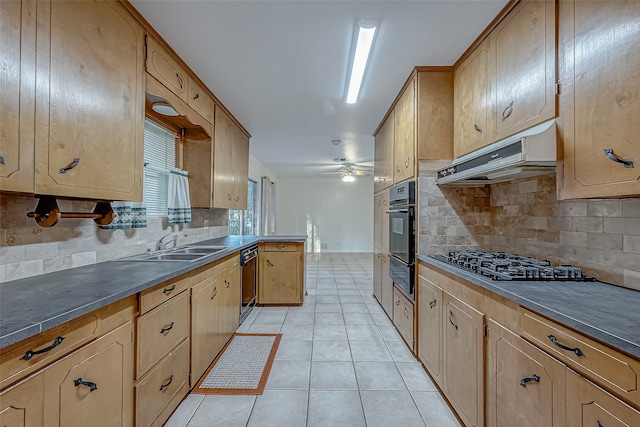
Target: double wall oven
x=401 y=212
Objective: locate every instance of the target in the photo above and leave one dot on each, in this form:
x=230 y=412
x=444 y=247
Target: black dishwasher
x=248 y=265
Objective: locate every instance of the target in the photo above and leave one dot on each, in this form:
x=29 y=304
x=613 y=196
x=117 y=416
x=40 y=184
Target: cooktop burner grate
x=505 y=266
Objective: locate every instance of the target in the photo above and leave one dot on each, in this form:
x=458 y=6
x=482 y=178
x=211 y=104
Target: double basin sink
x=187 y=253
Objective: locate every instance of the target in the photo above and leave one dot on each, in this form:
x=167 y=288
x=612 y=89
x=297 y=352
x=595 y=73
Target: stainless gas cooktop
x=504 y=266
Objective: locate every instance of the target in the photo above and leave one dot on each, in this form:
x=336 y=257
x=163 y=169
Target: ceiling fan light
x=348 y=178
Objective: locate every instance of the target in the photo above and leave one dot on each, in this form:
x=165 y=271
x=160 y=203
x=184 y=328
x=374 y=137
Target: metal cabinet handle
x=406 y=163
x=397 y=168
x=215 y=292
x=398 y=302
x=180 y=81
x=73 y=164
x=476 y=128
x=576 y=350
x=507 y=111
x=167 y=290
x=599 y=424
x=196 y=97
x=229 y=196
x=168 y=328
x=29 y=354
x=609 y=153
x=269 y=263
x=79 y=382
x=227 y=283
x=432 y=303
x=1 y=160
x=167 y=384
x=379 y=255
x=451 y=321
x=237 y=199
x=524 y=381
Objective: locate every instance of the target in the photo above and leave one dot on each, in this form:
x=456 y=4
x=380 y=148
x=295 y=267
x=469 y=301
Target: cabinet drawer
x=200 y=101
x=160 y=330
x=162 y=390
x=162 y=66
x=46 y=348
x=606 y=366
x=153 y=297
x=280 y=247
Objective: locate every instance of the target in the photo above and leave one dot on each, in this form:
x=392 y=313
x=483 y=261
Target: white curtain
x=178 y=201
x=268 y=207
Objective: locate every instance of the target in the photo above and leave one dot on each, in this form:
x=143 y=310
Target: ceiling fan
x=348 y=170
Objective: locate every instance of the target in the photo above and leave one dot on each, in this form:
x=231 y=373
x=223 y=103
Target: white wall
x=329 y=211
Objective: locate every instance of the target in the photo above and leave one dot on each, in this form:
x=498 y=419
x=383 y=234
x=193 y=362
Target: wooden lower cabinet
x=23 y=404
x=281 y=274
x=94 y=385
x=589 y=405
x=430 y=327
x=377 y=271
x=463 y=357
x=525 y=386
x=230 y=301
x=403 y=316
x=386 y=285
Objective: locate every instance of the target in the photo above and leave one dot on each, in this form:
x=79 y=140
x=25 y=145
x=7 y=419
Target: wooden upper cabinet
x=223 y=170
x=200 y=101
x=89 y=101
x=241 y=169
x=404 y=134
x=524 y=52
x=161 y=65
x=472 y=101
x=383 y=161
x=17 y=80
x=599 y=98
x=525 y=386
x=434 y=115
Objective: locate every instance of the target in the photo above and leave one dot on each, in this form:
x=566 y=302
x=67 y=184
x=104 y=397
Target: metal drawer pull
x=168 y=328
x=524 y=381
x=576 y=350
x=215 y=292
x=73 y=164
x=196 y=97
x=180 y=81
x=398 y=302
x=280 y=246
x=269 y=263
x=29 y=354
x=92 y=386
x=227 y=283
x=432 y=303
x=609 y=154
x=167 y=290
x=1 y=160
x=476 y=128
x=507 y=111
x=163 y=386
x=451 y=321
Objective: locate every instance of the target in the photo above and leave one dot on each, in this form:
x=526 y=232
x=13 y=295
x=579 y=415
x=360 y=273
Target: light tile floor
x=340 y=362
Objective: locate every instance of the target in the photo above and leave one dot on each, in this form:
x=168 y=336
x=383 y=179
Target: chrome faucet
x=160 y=243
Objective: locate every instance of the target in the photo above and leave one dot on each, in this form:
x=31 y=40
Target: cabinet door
x=94 y=385
x=525 y=56
x=279 y=278
x=472 y=94
x=22 y=405
x=377 y=274
x=200 y=101
x=206 y=324
x=404 y=134
x=430 y=327
x=463 y=359
x=17 y=85
x=162 y=66
x=231 y=299
x=386 y=285
x=434 y=115
x=378 y=217
x=589 y=405
x=403 y=316
x=599 y=98
x=90 y=101
x=383 y=158
x=223 y=173
x=525 y=386
x=241 y=169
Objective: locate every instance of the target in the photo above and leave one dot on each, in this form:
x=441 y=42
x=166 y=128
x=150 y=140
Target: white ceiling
x=281 y=66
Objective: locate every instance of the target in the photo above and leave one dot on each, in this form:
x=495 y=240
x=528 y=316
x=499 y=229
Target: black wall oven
x=401 y=212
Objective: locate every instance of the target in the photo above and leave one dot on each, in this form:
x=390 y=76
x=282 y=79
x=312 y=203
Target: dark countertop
x=33 y=305
x=608 y=313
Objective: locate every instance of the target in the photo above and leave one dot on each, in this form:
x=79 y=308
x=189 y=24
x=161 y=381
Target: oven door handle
x=398 y=211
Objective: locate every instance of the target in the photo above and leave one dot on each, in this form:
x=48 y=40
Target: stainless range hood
x=529 y=153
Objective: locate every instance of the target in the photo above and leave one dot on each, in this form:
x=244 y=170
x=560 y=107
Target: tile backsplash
x=601 y=236
x=26 y=249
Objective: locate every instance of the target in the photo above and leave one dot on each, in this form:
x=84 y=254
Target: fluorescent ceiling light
x=348 y=178
x=366 y=31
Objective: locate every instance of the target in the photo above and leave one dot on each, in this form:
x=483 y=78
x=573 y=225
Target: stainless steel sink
x=199 y=250
x=175 y=257
x=188 y=253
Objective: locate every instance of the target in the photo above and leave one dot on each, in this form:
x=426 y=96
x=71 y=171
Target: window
x=243 y=223
x=159 y=158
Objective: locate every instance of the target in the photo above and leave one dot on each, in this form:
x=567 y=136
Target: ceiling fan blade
x=362 y=173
